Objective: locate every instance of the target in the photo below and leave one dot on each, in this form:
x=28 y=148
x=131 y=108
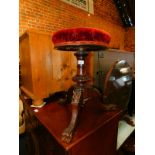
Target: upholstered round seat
x=89 y=39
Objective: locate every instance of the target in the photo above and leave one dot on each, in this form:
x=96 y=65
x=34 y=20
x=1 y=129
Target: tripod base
x=80 y=97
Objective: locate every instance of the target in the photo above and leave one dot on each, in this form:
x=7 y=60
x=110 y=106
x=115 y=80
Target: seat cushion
x=80 y=36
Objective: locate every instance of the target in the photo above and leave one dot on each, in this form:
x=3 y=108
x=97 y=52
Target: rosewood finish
x=96 y=133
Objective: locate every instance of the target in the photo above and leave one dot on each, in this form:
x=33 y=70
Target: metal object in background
x=118 y=85
x=103 y=61
x=113 y=75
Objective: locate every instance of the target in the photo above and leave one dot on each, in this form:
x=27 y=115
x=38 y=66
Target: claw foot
x=67 y=135
x=68 y=132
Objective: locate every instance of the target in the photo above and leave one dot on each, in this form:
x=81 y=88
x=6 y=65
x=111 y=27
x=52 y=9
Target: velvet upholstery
x=81 y=36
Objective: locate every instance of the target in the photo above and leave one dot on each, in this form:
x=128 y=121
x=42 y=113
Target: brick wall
x=52 y=15
x=107 y=10
x=129 y=40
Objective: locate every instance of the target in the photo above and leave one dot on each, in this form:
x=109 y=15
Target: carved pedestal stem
x=77 y=99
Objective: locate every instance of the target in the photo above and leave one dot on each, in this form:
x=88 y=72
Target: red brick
x=52 y=15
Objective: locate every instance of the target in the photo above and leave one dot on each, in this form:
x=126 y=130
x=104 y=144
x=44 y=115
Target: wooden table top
x=55 y=118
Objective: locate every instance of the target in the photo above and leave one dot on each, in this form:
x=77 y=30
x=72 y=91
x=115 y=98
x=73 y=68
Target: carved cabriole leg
x=68 y=132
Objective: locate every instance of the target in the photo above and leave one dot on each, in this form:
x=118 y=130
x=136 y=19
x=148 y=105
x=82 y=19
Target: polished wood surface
x=36 y=63
x=25 y=62
x=96 y=133
x=44 y=70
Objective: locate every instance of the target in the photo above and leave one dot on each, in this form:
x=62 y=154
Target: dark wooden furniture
x=95 y=135
x=82 y=41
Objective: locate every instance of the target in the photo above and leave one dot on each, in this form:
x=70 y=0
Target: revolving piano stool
x=81 y=41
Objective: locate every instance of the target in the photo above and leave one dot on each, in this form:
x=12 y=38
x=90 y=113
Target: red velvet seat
x=89 y=38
